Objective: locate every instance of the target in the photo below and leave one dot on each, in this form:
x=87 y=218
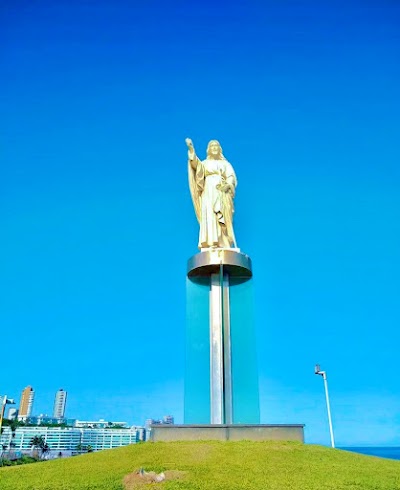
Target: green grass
x=212 y=465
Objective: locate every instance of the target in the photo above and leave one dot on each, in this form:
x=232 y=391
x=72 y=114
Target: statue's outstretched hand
x=189 y=143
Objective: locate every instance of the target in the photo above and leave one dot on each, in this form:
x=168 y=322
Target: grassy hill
x=212 y=465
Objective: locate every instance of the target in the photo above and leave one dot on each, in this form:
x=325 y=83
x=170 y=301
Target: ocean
x=382 y=452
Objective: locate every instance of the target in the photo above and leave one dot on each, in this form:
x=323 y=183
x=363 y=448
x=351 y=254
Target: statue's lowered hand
x=227 y=188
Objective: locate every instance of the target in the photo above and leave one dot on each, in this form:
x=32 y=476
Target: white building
x=70 y=440
x=12 y=414
x=168 y=419
x=59 y=404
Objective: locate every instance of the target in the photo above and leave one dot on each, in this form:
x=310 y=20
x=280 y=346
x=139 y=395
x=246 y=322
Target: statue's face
x=214 y=150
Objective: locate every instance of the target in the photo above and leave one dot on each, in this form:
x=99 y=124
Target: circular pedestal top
x=208 y=262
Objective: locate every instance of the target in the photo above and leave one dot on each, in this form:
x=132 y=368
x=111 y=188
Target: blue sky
x=97 y=222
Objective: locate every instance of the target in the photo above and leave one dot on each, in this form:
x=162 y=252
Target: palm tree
x=14 y=424
x=45 y=449
x=38 y=442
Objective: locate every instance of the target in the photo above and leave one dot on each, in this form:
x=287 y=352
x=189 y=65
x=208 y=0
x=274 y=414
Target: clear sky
x=97 y=224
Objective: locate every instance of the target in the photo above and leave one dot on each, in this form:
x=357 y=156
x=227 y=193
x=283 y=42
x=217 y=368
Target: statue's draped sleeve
x=196 y=183
x=227 y=201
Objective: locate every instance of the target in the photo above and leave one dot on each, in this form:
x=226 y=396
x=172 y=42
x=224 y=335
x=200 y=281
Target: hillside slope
x=212 y=465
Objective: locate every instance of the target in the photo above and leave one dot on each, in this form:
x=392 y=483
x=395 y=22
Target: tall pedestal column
x=221 y=382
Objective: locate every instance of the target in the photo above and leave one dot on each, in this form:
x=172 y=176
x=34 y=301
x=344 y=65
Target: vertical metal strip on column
x=216 y=351
x=228 y=412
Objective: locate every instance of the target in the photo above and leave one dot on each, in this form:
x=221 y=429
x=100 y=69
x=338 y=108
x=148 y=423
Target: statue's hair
x=220 y=147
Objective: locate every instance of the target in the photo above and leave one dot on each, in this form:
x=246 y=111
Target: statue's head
x=214 y=150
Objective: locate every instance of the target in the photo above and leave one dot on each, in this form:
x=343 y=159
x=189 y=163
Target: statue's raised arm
x=192 y=157
x=212 y=185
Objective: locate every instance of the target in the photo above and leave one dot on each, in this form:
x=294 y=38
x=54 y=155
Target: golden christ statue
x=212 y=185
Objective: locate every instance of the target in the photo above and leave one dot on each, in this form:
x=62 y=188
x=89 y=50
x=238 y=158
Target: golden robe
x=213 y=201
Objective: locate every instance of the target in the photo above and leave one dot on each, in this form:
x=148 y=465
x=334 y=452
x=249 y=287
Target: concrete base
x=284 y=432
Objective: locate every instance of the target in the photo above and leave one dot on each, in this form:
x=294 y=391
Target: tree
x=89 y=448
x=39 y=443
x=14 y=424
x=45 y=449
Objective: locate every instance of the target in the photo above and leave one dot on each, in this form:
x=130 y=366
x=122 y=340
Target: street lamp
x=318 y=371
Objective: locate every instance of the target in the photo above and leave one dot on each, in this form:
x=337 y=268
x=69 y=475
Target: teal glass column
x=245 y=390
x=221 y=379
x=197 y=356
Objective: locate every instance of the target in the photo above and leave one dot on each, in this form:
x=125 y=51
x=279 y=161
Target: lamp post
x=323 y=374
